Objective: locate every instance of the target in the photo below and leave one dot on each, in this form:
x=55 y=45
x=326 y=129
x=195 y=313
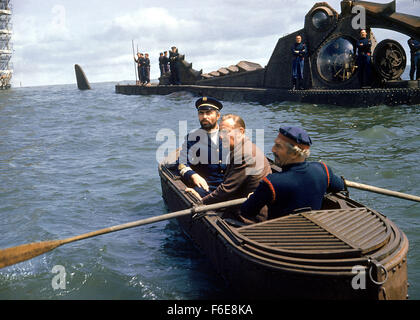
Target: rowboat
x=343 y=251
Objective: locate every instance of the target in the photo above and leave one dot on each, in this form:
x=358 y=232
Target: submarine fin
x=82 y=81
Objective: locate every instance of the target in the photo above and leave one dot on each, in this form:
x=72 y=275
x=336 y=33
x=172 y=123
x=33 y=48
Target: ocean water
x=76 y=161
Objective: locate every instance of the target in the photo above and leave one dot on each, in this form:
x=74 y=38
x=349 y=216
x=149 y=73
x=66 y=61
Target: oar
x=381 y=191
x=28 y=251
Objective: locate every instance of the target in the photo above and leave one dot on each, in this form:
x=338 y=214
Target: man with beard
x=300 y=184
x=202 y=159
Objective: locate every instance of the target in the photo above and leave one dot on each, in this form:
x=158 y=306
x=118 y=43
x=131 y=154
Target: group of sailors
x=143 y=68
x=170 y=64
x=363 y=60
x=167 y=65
x=218 y=162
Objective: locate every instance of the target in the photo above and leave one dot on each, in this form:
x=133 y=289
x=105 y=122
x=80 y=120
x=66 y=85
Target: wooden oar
x=381 y=191
x=28 y=251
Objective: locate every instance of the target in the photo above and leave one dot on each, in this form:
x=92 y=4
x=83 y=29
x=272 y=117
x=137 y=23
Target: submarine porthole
x=320 y=19
x=336 y=60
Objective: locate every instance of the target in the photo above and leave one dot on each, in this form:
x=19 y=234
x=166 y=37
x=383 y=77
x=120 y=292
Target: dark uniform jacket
x=301 y=48
x=199 y=154
x=247 y=166
x=414 y=46
x=364 y=46
x=173 y=57
x=299 y=185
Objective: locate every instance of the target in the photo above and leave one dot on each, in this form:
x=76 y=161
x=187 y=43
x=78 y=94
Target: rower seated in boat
x=300 y=184
x=246 y=167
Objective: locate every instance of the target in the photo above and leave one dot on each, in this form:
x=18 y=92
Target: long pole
x=135 y=67
x=28 y=251
x=387 y=192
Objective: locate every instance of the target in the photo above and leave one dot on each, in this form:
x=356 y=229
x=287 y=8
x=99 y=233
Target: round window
x=320 y=19
x=336 y=60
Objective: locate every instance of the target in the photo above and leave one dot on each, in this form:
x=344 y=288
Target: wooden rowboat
x=344 y=251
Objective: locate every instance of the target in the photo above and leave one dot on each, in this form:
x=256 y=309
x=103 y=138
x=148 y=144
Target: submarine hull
x=333 y=72
x=349 y=97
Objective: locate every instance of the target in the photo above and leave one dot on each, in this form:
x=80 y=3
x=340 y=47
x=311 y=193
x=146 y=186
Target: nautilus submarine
x=330 y=70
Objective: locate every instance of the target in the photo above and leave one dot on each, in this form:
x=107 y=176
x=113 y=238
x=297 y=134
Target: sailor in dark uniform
x=202 y=159
x=415 y=58
x=139 y=66
x=300 y=184
x=166 y=61
x=146 y=69
x=173 y=60
x=161 y=64
x=298 y=51
x=364 y=51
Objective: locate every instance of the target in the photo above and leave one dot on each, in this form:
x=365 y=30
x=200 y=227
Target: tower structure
x=6 y=48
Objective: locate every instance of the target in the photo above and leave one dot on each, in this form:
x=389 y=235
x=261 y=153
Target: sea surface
x=76 y=161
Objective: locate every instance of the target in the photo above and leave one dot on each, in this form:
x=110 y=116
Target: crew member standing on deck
x=202 y=159
x=300 y=184
x=166 y=61
x=415 y=58
x=146 y=69
x=364 y=52
x=139 y=68
x=298 y=51
x=161 y=64
x=173 y=60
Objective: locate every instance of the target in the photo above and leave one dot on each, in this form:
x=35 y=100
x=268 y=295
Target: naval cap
x=208 y=103
x=297 y=135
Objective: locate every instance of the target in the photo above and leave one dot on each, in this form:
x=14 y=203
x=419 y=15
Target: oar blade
x=25 y=252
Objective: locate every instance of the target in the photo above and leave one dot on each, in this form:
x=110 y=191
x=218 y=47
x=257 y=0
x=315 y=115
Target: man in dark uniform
x=146 y=67
x=166 y=61
x=140 y=66
x=161 y=64
x=364 y=52
x=300 y=184
x=202 y=159
x=298 y=51
x=173 y=60
x=139 y=62
x=415 y=58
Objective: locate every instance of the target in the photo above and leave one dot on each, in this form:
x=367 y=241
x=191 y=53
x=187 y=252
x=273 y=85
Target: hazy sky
x=51 y=36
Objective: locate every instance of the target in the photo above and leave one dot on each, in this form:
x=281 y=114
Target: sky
x=51 y=36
